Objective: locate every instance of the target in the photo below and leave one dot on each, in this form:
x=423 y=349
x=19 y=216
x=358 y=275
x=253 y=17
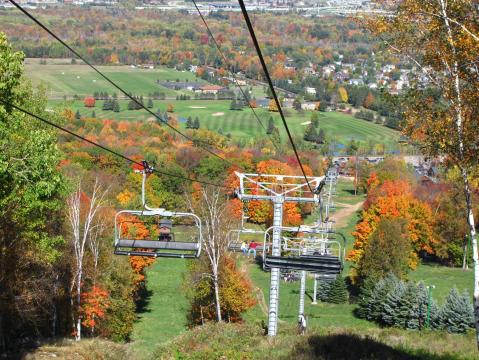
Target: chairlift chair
x=299 y=258
x=165 y=238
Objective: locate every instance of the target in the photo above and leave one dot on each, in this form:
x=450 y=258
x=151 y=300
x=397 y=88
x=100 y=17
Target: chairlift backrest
x=161 y=237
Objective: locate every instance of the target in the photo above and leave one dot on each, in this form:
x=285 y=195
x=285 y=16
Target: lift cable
x=34 y=19
x=227 y=63
x=113 y=152
x=268 y=78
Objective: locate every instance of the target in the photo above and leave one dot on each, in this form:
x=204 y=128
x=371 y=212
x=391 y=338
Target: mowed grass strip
x=164 y=315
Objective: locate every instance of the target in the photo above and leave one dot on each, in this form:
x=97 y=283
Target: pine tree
x=270 y=127
x=323 y=290
x=131 y=105
x=378 y=298
x=391 y=306
x=233 y=105
x=321 y=138
x=77 y=115
x=338 y=293
x=408 y=308
x=116 y=106
x=365 y=294
x=309 y=133
x=93 y=114
x=189 y=123
x=457 y=313
x=150 y=104
x=107 y=105
x=196 y=123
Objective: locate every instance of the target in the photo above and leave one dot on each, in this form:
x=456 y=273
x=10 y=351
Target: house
x=310 y=90
x=308 y=106
x=210 y=89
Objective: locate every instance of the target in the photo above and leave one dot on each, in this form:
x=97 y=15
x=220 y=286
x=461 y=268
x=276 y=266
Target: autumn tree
x=343 y=94
x=444 y=46
x=82 y=213
x=89 y=101
x=272 y=106
x=212 y=208
x=387 y=251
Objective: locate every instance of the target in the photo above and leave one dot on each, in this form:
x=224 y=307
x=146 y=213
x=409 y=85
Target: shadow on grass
x=353 y=347
x=143 y=301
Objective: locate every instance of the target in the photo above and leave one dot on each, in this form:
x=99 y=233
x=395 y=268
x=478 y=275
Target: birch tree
x=212 y=208
x=440 y=38
x=82 y=213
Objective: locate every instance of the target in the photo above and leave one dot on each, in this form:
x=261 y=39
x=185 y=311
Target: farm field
x=65 y=79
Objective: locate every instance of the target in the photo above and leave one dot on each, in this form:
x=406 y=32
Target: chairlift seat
x=153 y=244
x=325 y=264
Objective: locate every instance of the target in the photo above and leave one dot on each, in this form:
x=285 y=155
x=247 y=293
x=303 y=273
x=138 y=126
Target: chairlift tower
x=278 y=189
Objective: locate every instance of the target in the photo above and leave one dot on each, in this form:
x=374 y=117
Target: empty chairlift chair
x=315 y=255
x=157 y=232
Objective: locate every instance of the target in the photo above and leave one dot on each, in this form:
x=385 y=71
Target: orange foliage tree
x=94 y=305
x=393 y=199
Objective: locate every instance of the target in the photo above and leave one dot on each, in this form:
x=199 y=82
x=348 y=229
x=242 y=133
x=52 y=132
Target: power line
x=35 y=20
x=226 y=62
x=268 y=78
x=113 y=152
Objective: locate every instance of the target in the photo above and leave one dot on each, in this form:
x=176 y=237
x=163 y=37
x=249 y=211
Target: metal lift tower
x=278 y=189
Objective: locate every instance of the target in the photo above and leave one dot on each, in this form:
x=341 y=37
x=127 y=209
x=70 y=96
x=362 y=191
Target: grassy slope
x=67 y=79
x=164 y=316
x=216 y=115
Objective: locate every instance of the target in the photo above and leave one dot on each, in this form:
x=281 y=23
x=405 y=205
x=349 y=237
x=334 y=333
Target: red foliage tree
x=89 y=101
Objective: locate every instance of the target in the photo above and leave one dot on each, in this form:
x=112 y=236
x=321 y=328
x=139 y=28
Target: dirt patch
x=341 y=217
x=197 y=107
x=218 y=114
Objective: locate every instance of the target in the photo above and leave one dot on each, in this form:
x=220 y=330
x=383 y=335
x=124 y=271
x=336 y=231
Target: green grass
x=215 y=115
x=67 y=79
x=164 y=316
x=443 y=278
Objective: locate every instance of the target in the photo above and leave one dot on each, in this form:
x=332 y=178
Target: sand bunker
x=218 y=114
x=306 y=123
x=197 y=107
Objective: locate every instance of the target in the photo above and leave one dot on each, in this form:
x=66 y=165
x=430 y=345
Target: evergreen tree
x=323 y=290
x=391 y=306
x=275 y=136
x=93 y=114
x=77 y=115
x=365 y=294
x=309 y=133
x=271 y=126
x=220 y=131
x=107 y=105
x=378 y=298
x=338 y=293
x=116 y=106
x=189 y=123
x=321 y=138
x=150 y=104
x=196 y=123
x=233 y=105
x=457 y=313
x=131 y=105
x=159 y=117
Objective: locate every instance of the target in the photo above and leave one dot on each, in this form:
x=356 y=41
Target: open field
x=70 y=79
x=216 y=115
